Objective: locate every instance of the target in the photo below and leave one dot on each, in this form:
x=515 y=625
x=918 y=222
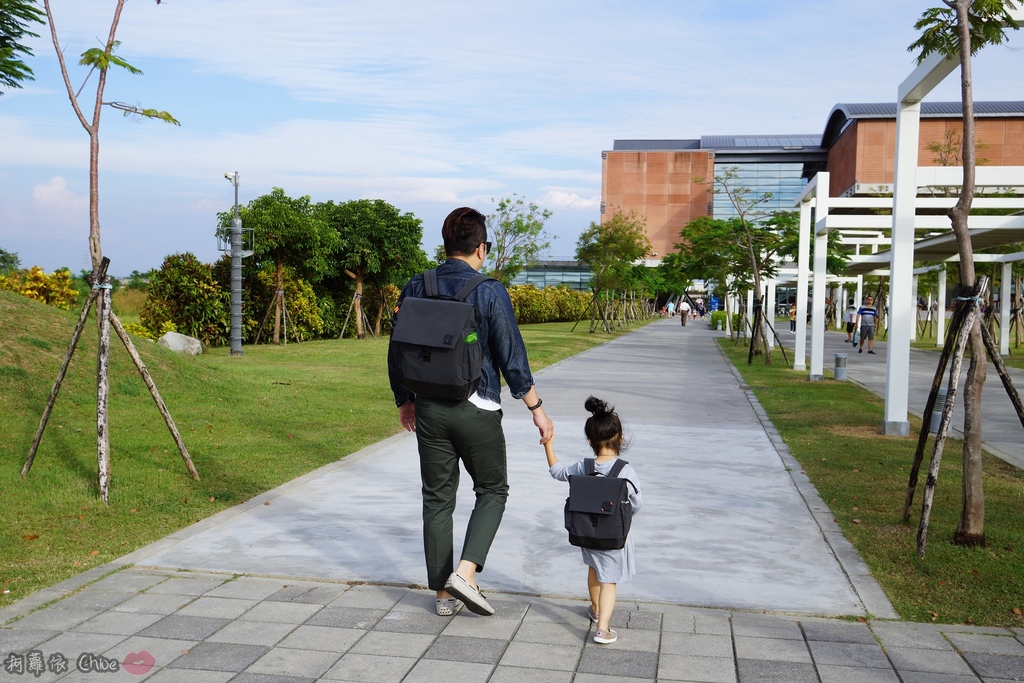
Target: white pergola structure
x=819 y=214
x=907 y=178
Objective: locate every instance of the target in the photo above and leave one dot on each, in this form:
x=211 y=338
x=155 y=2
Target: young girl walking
x=606 y=567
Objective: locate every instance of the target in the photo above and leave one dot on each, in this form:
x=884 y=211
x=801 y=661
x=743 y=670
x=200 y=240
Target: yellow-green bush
x=551 y=304
x=55 y=289
x=304 y=318
x=140 y=330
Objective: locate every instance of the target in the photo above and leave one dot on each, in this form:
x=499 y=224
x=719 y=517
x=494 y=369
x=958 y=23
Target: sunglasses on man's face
x=487 y=247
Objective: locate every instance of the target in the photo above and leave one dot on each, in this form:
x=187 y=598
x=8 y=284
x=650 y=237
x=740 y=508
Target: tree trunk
x=971 y=530
x=278 y=301
x=103 y=392
x=358 y=300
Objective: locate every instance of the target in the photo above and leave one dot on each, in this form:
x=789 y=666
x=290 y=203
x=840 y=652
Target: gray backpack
x=439 y=349
x=598 y=512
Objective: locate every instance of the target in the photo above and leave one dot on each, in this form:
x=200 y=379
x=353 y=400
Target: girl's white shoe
x=605 y=637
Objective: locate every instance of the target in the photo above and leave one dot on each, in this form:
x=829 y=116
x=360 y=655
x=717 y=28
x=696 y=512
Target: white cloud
x=55 y=198
x=569 y=200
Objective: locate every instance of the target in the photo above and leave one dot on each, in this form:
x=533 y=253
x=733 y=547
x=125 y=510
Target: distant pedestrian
x=607 y=568
x=671 y=308
x=684 y=310
x=851 y=321
x=792 y=317
x=866 y=317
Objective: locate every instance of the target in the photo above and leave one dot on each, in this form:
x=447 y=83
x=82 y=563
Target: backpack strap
x=470 y=285
x=616 y=468
x=430 y=290
x=430 y=283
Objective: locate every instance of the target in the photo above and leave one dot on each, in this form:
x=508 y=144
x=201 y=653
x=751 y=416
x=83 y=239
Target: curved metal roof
x=845 y=113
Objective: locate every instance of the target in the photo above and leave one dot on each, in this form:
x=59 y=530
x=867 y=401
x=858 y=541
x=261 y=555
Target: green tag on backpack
x=471 y=338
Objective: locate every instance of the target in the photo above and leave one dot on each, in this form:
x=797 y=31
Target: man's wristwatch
x=539 y=403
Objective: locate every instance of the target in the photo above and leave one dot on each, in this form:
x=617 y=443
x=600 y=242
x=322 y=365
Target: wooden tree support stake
x=997 y=360
x=101 y=293
x=947 y=414
x=161 y=406
x=60 y=380
x=940 y=372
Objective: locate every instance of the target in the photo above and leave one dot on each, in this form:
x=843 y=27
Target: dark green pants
x=447 y=433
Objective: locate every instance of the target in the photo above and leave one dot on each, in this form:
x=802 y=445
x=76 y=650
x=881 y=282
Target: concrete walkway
x=741 y=568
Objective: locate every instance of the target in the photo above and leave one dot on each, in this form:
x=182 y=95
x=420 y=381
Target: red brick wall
x=661 y=186
x=866 y=151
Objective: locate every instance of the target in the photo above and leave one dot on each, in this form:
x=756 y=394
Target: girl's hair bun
x=597 y=406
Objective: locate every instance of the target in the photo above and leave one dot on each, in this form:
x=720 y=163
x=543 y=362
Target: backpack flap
x=439 y=353
x=419 y=322
x=594 y=495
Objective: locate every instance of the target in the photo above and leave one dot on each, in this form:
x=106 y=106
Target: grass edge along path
x=250 y=424
x=833 y=429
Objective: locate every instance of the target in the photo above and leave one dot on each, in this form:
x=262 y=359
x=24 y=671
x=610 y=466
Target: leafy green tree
x=786 y=224
x=15 y=18
x=610 y=249
x=760 y=244
x=517 y=231
x=9 y=261
x=958 y=30
x=377 y=244
x=100 y=60
x=286 y=233
x=712 y=249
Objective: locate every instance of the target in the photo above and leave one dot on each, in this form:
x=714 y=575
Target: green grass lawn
x=249 y=423
x=833 y=430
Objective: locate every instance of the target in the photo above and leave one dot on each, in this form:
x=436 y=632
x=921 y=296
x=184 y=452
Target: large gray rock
x=181 y=343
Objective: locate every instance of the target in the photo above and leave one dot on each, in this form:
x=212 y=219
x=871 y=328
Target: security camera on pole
x=236 y=273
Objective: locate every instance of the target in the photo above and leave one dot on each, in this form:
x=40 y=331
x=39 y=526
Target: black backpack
x=598 y=512
x=438 y=343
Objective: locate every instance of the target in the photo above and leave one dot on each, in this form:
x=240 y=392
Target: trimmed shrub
x=183 y=292
x=551 y=304
x=55 y=289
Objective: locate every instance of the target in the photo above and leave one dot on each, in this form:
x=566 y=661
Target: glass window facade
x=781 y=179
x=553 y=273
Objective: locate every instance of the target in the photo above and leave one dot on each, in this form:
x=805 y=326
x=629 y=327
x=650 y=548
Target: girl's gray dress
x=612 y=566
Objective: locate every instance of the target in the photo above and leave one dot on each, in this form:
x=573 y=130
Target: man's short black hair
x=463 y=231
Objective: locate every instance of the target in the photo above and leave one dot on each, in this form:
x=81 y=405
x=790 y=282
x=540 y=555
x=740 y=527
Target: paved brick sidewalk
x=210 y=628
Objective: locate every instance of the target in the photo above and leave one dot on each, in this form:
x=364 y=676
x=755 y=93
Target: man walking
x=866 y=316
x=684 y=310
x=451 y=431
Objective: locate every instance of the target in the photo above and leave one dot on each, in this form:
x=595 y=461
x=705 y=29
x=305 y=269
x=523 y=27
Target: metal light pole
x=236 y=273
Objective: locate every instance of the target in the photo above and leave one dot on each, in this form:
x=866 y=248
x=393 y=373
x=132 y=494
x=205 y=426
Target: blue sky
x=428 y=106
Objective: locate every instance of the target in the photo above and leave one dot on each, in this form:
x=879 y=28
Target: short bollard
x=940 y=405
x=840 y=366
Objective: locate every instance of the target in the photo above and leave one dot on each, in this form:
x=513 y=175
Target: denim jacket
x=503 y=345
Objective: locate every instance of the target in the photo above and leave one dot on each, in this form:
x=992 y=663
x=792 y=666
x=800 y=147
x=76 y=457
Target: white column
x=859 y=299
x=897 y=366
x=940 y=318
x=1005 y=301
x=913 y=296
x=769 y=309
x=803 y=268
x=820 y=232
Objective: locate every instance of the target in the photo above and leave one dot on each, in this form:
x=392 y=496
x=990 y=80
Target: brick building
x=669 y=181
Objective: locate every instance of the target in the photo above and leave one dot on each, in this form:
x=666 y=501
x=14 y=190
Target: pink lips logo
x=138 y=663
